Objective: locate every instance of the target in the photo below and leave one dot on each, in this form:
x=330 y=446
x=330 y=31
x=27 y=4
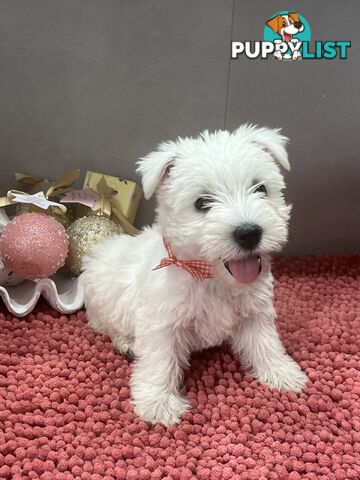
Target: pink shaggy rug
x=65 y=410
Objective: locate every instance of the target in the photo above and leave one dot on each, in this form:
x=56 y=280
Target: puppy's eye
x=284 y=24
x=261 y=189
x=203 y=204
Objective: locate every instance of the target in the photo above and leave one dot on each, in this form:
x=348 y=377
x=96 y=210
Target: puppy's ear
x=269 y=139
x=155 y=166
x=294 y=16
x=274 y=143
x=274 y=23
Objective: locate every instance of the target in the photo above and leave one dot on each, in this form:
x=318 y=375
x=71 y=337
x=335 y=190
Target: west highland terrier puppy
x=201 y=274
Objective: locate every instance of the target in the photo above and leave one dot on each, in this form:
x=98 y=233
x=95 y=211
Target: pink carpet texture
x=65 y=411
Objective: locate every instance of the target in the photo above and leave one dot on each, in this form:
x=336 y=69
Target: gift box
x=125 y=197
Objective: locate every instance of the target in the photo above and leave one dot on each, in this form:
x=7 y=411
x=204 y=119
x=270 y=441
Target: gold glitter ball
x=26 y=208
x=65 y=220
x=84 y=233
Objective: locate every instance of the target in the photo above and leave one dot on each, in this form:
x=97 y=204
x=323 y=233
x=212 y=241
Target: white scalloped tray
x=63 y=294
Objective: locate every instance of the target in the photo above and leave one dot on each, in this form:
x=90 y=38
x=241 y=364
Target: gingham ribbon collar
x=197 y=268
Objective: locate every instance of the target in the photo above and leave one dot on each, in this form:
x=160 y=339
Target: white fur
x=161 y=316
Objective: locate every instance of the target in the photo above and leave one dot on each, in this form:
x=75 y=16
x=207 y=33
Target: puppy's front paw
x=284 y=375
x=166 y=408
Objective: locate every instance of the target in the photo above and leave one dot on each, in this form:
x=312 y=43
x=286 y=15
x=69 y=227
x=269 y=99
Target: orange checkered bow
x=197 y=268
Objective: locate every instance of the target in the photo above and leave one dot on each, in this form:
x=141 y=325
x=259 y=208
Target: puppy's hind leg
x=102 y=323
x=160 y=358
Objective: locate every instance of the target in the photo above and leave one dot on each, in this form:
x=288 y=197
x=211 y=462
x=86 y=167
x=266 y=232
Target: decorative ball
x=83 y=234
x=34 y=245
x=65 y=220
x=22 y=208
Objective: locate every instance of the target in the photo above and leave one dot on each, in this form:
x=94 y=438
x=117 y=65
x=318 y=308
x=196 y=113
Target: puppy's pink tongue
x=247 y=270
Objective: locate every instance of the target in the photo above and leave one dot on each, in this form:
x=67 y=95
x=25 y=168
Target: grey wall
x=97 y=83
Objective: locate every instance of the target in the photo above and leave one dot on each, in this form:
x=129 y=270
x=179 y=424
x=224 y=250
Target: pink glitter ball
x=34 y=245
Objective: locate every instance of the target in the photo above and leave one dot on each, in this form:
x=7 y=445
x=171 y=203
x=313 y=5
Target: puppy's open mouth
x=246 y=270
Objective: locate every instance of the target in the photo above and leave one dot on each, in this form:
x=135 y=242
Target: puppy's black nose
x=298 y=24
x=248 y=235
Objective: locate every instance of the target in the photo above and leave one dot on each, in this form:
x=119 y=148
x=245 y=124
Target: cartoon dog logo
x=286 y=26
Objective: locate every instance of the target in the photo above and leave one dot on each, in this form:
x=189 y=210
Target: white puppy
x=220 y=204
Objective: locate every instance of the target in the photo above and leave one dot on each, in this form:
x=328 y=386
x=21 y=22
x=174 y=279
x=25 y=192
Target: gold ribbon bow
x=104 y=206
x=50 y=188
x=38 y=199
x=40 y=191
